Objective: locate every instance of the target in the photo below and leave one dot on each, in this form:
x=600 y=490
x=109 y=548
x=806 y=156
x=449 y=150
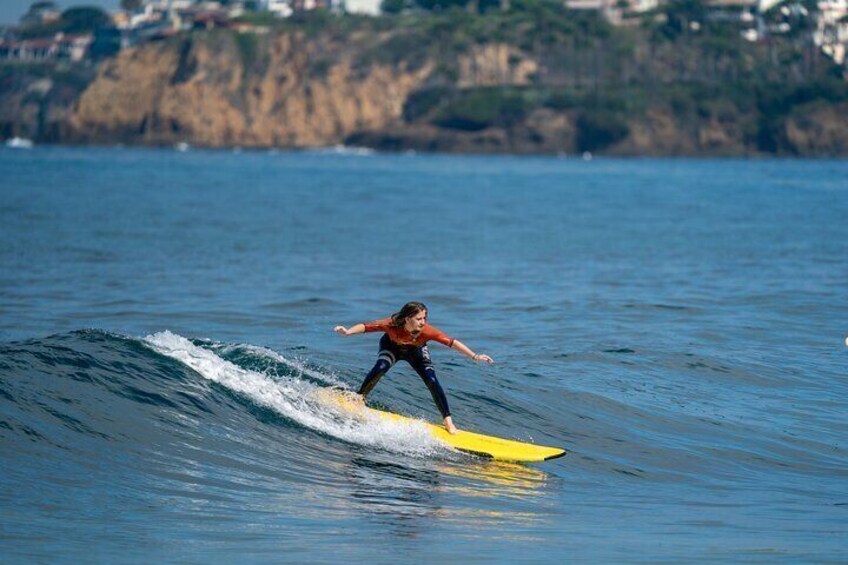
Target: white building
x=170 y=4
x=765 y=5
x=60 y=46
x=586 y=4
x=613 y=10
x=364 y=7
x=280 y=8
x=832 y=29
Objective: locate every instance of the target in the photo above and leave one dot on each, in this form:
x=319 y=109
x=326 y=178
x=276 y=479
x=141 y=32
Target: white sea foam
x=294 y=364
x=299 y=400
x=346 y=150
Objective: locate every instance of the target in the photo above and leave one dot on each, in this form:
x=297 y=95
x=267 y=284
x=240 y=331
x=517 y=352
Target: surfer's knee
x=381 y=366
x=429 y=376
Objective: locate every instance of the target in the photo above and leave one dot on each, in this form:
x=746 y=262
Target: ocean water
x=165 y=335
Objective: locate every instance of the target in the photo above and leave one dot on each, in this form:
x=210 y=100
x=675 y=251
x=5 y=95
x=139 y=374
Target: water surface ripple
x=677 y=325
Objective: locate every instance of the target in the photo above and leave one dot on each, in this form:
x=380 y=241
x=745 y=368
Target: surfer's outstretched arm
x=466 y=351
x=355 y=329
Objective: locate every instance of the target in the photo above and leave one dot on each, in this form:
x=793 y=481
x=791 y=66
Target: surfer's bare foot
x=449 y=426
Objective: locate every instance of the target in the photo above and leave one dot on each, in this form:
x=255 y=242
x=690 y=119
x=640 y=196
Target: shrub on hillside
x=483 y=108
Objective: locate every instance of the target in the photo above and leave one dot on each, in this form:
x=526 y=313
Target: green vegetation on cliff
x=80 y=19
x=604 y=77
x=36 y=99
x=540 y=78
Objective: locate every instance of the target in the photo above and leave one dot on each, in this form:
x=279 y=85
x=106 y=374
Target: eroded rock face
x=819 y=131
x=288 y=89
x=203 y=92
x=37 y=107
x=124 y=99
x=495 y=64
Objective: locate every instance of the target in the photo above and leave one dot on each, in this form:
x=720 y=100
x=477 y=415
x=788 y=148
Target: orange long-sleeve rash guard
x=403 y=337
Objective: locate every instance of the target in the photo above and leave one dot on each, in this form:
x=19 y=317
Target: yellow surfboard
x=477 y=444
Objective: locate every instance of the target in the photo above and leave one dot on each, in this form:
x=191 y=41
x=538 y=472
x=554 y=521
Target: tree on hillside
x=42 y=6
x=680 y=15
x=131 y=5
x=393 y=6
x=84 y=19
x=35 y=14
x=441 y=4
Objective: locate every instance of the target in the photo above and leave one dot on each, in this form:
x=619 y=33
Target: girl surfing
x=405 y=337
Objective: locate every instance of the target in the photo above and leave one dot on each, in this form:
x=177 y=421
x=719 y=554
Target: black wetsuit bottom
x=418 y=358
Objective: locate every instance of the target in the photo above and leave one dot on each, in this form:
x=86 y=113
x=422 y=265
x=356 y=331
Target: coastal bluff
x=205 y=91
x=494 y=84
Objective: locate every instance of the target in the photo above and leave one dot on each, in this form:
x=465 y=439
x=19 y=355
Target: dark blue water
x=165 y=334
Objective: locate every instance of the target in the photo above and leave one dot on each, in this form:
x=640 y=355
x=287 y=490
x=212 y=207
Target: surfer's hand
x=353 y=330
x=485 y=358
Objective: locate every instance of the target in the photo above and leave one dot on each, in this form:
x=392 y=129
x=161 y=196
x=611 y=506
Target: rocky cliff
x=37 y=101
x=442 y=88
x=208 y=91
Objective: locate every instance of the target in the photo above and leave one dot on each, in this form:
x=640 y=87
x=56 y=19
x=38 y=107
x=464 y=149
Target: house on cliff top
x=59 y=47
x=831 y=32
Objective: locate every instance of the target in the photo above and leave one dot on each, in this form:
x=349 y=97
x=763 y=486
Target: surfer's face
x=414 y=324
